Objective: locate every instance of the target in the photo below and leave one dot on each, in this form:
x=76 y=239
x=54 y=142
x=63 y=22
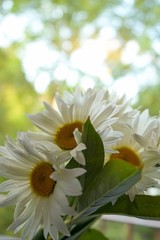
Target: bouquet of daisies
x=92 y=155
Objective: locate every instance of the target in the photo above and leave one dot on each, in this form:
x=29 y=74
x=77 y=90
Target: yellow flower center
x=128 y=155
x=41 y=182
x=64 y=137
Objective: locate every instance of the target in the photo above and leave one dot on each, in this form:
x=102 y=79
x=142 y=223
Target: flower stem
x=39 y=235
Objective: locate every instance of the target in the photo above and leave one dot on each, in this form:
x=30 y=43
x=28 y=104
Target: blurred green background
x=55 y=45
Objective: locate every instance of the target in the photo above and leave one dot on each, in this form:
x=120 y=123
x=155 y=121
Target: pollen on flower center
x=64 y=137
x=41 y=182
x=128 y=155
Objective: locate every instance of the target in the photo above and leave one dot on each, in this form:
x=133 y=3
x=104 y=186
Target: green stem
x=39 y=235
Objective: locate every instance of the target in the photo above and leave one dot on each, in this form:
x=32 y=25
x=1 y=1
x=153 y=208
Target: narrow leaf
x=81 y=226
x=114 y=180
x=92 y=234
x=143 y=206
x=94 y=154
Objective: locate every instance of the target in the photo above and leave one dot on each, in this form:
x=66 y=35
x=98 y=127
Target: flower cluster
x=92 y=144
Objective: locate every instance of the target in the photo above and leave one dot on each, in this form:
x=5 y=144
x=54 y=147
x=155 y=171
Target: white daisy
x=125 y=114
x=38 y=187
x=135 y=148
x=154 y=139
x=61 y=127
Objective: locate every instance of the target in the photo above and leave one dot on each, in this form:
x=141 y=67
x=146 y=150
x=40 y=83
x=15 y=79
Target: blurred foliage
x=56 y=86
x=137 y=232
x=6 y=219
x=65 y=24
x=17 y=95
x=149 y=97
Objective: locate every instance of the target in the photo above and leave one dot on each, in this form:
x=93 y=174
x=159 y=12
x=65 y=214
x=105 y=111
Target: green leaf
x=143 y=206
x=92 y=234
x=72 y=164
x=39 y=235
x=114 y=180
x=80 y=227
x=94 y=154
